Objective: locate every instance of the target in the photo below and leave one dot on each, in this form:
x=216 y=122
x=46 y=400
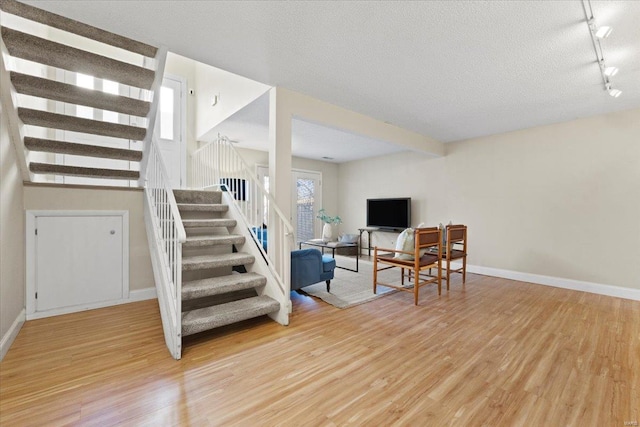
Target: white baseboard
x=134 y=296
x=142 y=294
x=11 y=334
x=558 y=282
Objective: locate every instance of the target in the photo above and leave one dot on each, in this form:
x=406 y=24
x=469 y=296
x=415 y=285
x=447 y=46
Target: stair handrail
x=166 y=234
x=9 y=99
x=207 y=163
x=163 y=178
x=160 y=62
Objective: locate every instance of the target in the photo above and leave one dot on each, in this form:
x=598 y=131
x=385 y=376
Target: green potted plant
x=329 y=221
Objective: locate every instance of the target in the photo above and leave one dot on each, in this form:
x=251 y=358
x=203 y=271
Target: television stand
x=370 y=230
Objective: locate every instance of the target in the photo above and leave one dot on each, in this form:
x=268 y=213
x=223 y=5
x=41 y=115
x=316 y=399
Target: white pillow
x=405 y=243
x=349 y=238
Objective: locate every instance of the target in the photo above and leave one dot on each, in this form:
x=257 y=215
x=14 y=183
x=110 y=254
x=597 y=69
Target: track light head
x=603 y=32
x=610 y=71
x=615 y=92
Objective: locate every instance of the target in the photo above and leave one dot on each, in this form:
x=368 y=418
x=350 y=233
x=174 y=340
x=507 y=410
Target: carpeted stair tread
x=201 y=262
x=66 y=24
x=214 y=222
x=226 y=239
x=221 y=285
x=202 y=207
x=62 y=147
x=225 y=314
x=198 y=196
x=72 y=94
x=77 y=124
x=42 y=51
x=49 y=169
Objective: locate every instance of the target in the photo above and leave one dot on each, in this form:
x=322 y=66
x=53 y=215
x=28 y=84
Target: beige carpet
x=349 y=288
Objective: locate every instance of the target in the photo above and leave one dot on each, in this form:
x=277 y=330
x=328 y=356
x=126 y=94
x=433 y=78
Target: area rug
x=350 y=288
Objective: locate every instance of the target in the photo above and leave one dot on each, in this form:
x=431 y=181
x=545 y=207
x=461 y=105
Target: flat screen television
x=389 y=213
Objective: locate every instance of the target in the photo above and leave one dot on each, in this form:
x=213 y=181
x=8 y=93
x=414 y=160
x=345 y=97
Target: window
x=166 y=113
x=110 y=87
x=87 y=82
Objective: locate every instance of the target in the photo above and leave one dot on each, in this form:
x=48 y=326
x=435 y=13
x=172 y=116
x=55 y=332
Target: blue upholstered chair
x=309 y=266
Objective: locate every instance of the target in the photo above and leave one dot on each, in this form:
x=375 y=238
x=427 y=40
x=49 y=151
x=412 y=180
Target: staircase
x=202 y=279
x=46 y=52
x=218 y=287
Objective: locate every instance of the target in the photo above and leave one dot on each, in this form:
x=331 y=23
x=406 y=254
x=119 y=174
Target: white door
x=90 y=82
x=307 y=201
x=170 y=128
x=79 y=261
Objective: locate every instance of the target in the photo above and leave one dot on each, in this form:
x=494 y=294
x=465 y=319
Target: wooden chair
x=456 y=235
x=428 y=242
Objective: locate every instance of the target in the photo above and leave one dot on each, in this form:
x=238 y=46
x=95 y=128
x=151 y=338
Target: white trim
x=557 y=282
x=30 y=257
x=143 y=294
x=11 y=334
x=183 y=126
x=125 y=252
x=134 y=296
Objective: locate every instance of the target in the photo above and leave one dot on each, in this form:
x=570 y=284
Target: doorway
x=170 y=128
x=306 y=199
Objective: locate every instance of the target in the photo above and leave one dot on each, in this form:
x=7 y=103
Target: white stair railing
x=166 y=235
x=218 y=165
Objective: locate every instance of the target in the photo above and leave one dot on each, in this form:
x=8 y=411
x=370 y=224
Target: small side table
x=369 y=231
x=333 y=246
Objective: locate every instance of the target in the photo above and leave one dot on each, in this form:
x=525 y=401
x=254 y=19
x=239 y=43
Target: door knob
x=113 y=231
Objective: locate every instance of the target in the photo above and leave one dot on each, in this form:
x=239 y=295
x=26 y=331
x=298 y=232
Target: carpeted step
x=214 y=222
x=49 y=169
x=221 y=285
x=201 y=262
x=225 y=314
x=56 y=21
x=198 y=196
x=202 y=207
x=199 y=241
x=62 y=147
x=72 y=94
x=77 y=124
x=42 y=51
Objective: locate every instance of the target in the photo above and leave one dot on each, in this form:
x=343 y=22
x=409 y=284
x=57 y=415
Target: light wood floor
x=495 y=352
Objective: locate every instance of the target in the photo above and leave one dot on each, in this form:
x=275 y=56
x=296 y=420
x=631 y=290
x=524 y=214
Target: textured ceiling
x=447 y=69
x=249 y=128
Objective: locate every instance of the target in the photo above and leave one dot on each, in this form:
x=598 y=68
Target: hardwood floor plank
x=491 y=352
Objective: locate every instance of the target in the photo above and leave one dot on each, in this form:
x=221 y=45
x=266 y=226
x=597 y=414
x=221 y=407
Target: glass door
x=307 y=201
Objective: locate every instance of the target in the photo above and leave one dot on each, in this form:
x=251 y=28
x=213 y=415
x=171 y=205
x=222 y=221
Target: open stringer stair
x=83 y=93
x=218 y=286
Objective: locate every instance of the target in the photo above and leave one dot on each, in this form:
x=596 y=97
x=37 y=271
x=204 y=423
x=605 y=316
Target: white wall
x=561 y=200
x=406 y=174
x=131 y=200
x=12 y=258
x=233 y=91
